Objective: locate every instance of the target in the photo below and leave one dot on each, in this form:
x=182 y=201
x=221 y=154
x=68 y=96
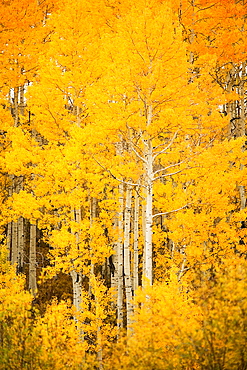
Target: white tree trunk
x=14 y=243
x=148 y=252
x=242 y=131
x=77 y=288
x=22 y=100
x=144 y=234
x=136 y=239
x=114 y=260
x=32 y=260
x=13 y=237
x=76 y=276
x=127 y=271
x=8 y=241
x=20 y=226
x=120 y=257
x=15 y=104
x=9 y=226
x=93 y=214
x=20 y=230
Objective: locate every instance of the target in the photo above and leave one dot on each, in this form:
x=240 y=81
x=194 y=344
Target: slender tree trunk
x=21 y=237
x=120 y=257
x=77 y=276
x=16 y=103
x=9 y=237
x=32 y=260
x=230 y=106
x=77 y=289
x=22 y=102
x=14 y=236
x=136 y=239
x=93 y=215
x=242 y=130
x=98 y=322
x=114 y=260
x=144 y=235
x=14 y=244
x=148 y=254
x=14 y=226
x=236 y=112
x=127 y=271
x=20 y=230
x=182 y=270
x=9 y=226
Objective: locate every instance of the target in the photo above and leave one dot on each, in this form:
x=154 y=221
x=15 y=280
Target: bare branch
x=114 y=177
x=171 y=174
x=167 y=147
x=167 y=213
x=156 y=147
x=166 y=168
x=137 y=154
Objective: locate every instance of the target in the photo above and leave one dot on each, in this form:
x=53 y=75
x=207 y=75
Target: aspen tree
x=78 y=245
x=21 y=35
x=120 y=266
x=226 y=64
x=76 y=275
x=127 y=262
x=144 y=108
x=136 y=241
x=32 y=260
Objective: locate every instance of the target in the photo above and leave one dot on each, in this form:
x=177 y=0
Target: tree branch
x=166 y=168
x=167 y=147
x=167 y=213
x=137 y=154
x=170 y=174
x=115 y=178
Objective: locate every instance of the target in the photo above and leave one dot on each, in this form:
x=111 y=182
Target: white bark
x=22 y=100
x=114 y=259
x=242 y=132
x=20 y=226
x=148 y=252
x=8 y=242
x=93 y=214
x=20 y=231
x=76 y=276
x=127 y=271
x=144 y=234
x=14 y=244
x=182 y=270
x=15 y=104
x=32 y=260
x=77 y=288
x=14 y=236
x=120 y=257
x=136 y=238
x=77 y=215
x=9 y=226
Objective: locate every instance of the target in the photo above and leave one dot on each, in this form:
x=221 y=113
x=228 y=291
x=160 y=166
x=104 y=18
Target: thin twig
x=137 y=154
x=167 y=147
x=115 y=178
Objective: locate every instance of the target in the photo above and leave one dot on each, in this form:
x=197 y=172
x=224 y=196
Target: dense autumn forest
x=123 y=219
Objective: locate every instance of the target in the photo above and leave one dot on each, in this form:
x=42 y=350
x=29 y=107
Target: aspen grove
x=123 y=184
